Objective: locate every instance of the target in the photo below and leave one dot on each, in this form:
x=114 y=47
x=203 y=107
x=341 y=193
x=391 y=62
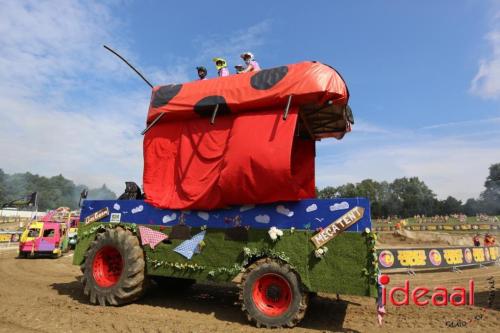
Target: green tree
x=3 y=192
x=348 y=190
x=327 y=193
x=449 y=206
x=413 y=197
x=472 y=207
x=53 y=192
x=491 y=195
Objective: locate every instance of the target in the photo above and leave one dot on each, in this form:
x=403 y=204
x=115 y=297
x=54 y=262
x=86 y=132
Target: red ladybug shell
x=310 y=83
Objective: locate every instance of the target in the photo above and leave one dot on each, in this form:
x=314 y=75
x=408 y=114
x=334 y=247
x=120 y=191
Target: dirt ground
x=44 y=295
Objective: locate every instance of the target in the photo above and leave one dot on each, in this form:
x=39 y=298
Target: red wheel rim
x=272 y=295
x=107 y=267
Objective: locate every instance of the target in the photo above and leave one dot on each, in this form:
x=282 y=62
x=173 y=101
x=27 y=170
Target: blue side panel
x=304 y=214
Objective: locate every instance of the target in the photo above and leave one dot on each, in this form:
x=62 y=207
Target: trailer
x=229 y=196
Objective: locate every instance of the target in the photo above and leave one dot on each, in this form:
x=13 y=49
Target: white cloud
x=66 y=104
x=48 y=46
x=284 y=211
x=263 y=219
x=339 y=206
x=89 y=148
x=451 y=164
x=169 y=218
x=137 y=209
x=230 y=47
x=486 y=82
x=311 y=208
x=204 y=215
x=475 y=122
x=369 y=128
x=69 y=106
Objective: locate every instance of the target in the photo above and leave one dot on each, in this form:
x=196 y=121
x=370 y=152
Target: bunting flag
x=151 y=237
x=188 y=247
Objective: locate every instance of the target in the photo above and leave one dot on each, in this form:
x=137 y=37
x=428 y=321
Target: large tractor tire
x=271 y=295
x=114 y=268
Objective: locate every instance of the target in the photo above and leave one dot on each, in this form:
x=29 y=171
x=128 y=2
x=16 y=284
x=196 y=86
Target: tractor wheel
x=272 y=296
x=114 y=268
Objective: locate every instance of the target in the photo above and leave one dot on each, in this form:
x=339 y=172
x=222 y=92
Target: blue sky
x=424 y=79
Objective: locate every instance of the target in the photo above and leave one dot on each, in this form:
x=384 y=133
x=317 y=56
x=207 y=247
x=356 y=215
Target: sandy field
x=44 y=295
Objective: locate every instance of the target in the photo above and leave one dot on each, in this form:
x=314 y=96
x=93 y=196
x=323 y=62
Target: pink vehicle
x=43 y=238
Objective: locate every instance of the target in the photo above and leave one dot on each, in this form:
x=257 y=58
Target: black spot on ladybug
x=268 y=78
x=165 y=94
x=206 y=106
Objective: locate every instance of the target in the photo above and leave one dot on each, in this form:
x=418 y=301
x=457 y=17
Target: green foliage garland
x=231 y=271
x=251 y=253
x=96 y=227
x=371 y=271
x=177 y=265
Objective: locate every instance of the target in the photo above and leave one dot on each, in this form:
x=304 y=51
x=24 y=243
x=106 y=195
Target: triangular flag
x=151 y=237
x=188 y=247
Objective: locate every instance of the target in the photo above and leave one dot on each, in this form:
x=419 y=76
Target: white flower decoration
x=275 y=233
x=320 y=253
x=367 y=230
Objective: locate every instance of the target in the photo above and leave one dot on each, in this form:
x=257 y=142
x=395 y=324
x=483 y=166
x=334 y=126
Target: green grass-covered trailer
x=277 y=254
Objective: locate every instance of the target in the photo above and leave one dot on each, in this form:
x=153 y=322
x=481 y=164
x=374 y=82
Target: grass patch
x=221 y=260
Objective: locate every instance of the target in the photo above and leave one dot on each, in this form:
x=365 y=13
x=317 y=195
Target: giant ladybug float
x=229 y=198
x=246 y=138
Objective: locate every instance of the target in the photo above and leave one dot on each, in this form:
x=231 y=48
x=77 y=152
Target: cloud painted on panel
x=339 y=206
x=311 y=208
x=284 y=211
x=137 y=209
x=204 y=215
x=263 y=218
x=169 y=218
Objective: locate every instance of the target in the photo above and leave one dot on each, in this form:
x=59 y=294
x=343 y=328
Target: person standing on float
x=221 y=66
x=249 y=59
x=202 y=73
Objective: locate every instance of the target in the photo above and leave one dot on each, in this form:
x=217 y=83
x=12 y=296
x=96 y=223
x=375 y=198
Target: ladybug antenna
x=125 y=61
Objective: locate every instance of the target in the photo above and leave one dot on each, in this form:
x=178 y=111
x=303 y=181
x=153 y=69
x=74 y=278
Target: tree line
x=53 y=192
x=407 y=197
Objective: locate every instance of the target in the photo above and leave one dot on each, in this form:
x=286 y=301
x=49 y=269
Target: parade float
x=229 y=196
x=47 y=236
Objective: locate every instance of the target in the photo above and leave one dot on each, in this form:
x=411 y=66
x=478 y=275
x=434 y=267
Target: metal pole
x=152 y=123
x=287 y=107
x=125 y=61
x=212 y=121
